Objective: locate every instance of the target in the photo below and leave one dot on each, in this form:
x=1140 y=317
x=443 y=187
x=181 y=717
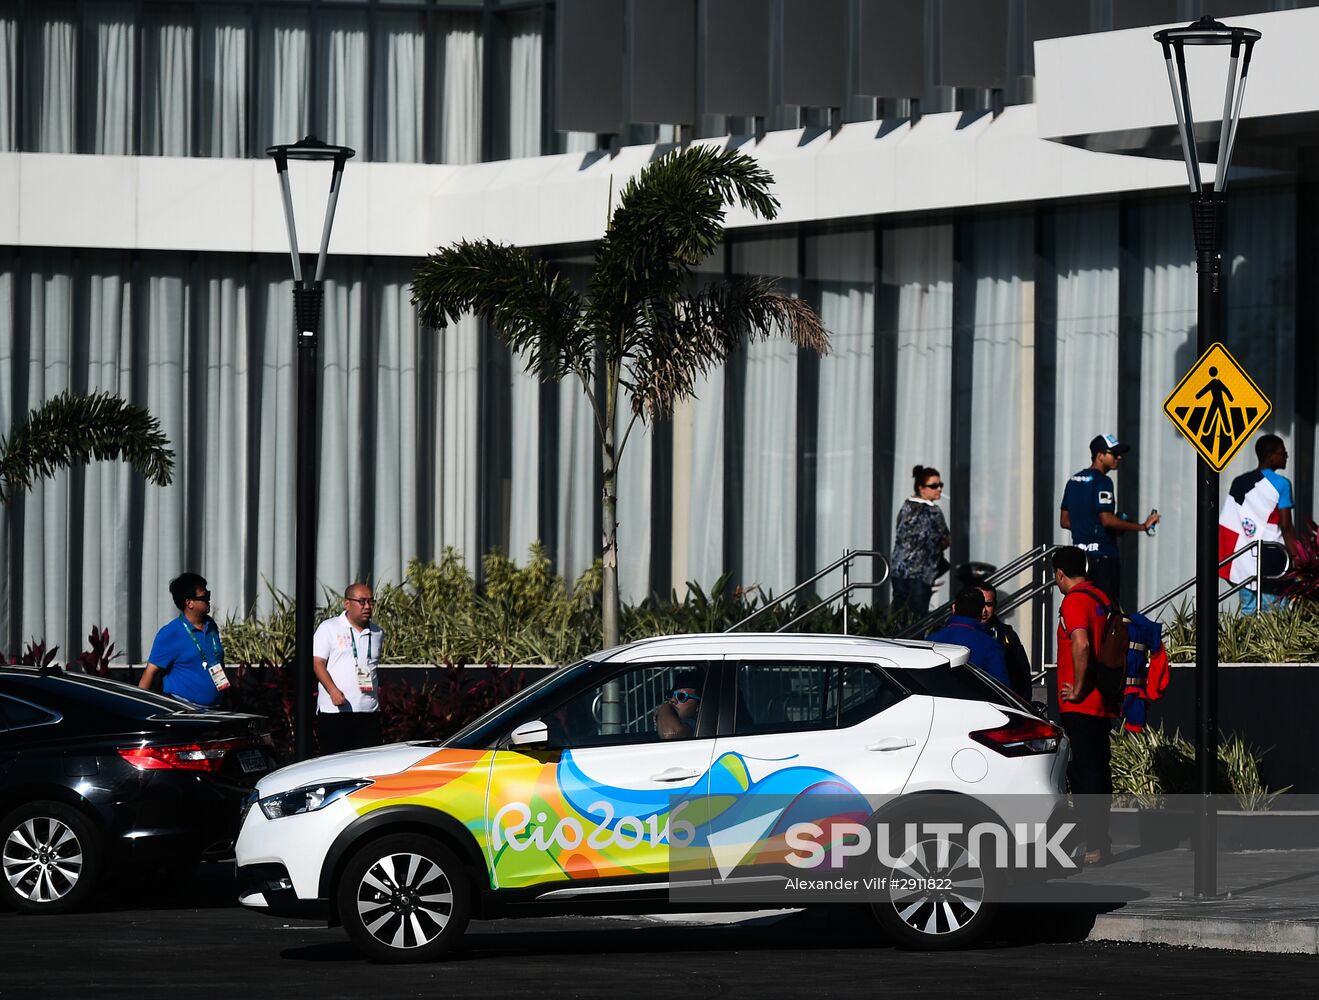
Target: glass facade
x=989 y=344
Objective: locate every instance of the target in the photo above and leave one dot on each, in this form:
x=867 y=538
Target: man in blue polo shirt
x=965 y=628
x=1089 y=512
x=187 y=650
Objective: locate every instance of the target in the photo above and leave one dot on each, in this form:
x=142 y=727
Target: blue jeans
x=1249 y=604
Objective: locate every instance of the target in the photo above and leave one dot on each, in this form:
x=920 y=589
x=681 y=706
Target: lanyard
x=353 y=639
x=215 y=642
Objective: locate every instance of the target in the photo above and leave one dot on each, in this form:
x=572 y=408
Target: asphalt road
x=197 y=944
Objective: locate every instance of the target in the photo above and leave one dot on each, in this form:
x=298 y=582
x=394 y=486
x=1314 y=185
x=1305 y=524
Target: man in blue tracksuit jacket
x=964 y=628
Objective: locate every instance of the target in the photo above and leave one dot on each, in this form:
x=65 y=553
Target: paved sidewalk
x=1268 y=900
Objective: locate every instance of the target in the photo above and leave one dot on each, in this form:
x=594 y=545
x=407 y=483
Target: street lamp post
x=1207 y=217
x=308 y=301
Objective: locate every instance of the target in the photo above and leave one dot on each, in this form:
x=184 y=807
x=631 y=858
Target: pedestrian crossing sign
x=1217 y=406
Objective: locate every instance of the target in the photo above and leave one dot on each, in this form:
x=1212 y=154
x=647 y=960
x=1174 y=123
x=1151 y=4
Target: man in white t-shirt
x=346 y=657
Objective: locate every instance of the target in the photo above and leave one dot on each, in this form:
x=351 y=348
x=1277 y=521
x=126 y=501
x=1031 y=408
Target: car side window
x=15 y=714
x=786 y=697
x=642 y=704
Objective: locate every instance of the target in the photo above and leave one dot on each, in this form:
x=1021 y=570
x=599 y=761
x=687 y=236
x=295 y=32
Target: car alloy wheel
x=938 y=897
x=404 y=898
x=49 y=857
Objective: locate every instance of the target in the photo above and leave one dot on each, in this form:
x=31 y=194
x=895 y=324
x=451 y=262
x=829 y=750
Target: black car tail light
x=1021 y=737
x=185 y=756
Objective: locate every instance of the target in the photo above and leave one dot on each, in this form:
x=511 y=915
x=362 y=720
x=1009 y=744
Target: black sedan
x=97 y=776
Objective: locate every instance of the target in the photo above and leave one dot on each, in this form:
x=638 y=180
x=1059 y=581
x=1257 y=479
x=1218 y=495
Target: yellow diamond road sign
x=1217 y=406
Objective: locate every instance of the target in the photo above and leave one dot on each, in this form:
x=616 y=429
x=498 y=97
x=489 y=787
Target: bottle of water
x=1153 y=527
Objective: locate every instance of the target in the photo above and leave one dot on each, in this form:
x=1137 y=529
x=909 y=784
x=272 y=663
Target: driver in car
x=675 y=719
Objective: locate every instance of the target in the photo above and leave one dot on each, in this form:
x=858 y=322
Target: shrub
x=1150 y=765
x=1286 y=634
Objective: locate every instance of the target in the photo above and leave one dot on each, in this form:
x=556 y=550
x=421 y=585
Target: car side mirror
x=534 y=731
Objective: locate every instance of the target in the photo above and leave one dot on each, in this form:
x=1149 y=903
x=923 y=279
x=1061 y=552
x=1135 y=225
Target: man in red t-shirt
x=1085 y=715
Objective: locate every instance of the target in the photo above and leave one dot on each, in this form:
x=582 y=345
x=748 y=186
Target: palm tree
x=74 y=429
x=638 y=326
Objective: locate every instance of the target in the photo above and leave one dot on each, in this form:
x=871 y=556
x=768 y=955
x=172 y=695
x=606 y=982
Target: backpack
x=1111 y=650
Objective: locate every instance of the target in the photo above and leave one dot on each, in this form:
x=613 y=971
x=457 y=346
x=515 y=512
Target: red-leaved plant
x=96 y=658
x=36 y=655
x=444 y=702
x=1303 y=581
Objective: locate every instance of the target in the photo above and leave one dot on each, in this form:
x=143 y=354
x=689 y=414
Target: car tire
x=50 y=858
x=404 y=898
x=933 y=906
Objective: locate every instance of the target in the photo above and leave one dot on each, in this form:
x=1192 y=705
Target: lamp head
x=1207 y=31
x=309 y=148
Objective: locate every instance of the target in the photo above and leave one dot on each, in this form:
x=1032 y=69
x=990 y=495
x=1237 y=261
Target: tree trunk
x=609 y=542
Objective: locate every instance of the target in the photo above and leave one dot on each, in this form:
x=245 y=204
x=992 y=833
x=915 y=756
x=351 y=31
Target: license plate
x=253 y=760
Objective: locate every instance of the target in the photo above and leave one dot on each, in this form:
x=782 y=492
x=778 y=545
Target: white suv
x=568 y=798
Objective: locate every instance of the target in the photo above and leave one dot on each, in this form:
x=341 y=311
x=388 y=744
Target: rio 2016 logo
x=624 y=832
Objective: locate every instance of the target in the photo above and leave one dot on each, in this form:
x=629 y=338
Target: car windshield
x=497 y=722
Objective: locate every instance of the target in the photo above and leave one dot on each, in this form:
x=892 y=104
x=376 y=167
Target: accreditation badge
x=218 y=677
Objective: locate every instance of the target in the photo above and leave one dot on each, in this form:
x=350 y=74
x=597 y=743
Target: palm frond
x=704 y=328
x=670 y=217
x=535 y=311
x=77 y=429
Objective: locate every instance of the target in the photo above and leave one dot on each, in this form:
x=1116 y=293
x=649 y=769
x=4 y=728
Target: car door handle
x=675 y=774
x=892 y=743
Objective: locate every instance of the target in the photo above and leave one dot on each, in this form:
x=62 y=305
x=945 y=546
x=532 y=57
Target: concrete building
x=1003 y=278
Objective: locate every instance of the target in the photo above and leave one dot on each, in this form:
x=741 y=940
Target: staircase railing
x=878 y=562
x=1254 y=545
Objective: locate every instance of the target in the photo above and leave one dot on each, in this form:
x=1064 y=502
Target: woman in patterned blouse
x=919 y=543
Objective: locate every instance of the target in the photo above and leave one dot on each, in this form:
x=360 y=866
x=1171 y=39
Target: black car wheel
x=404 y=898
x=51 y=858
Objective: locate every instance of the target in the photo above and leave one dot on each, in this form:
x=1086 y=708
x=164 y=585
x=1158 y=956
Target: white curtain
x=460 y=99
x=1002 y=388
x=400 y=73
x=342 y=66
x=524 y=98
x=166 y=510
x=769 y=436
x=51 y=68
x=282 y=115
x=167 y=73
x=578 y=497
x=226 y=355
x=8 y=81
x=211 y=356
x=526 y=472
x=844 y=507
x=110 y=33
x=634 y=504
x=1087 y=329
x=917 y=267
x=704 y=513
x=224 y=45
x=456 y=434
x=1168 y=318
x=1259 y=274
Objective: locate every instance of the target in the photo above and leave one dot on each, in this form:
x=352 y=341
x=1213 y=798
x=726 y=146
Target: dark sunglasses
x=206 y=597
x=361 y=600
x=932 y=486
x=681 y=697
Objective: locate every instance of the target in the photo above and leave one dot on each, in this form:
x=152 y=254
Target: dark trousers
x=1090 y=776
x=341 y=731
x=911 y=597
x=1106 y=574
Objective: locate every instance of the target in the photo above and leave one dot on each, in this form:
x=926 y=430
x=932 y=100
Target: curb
x=1273 y=937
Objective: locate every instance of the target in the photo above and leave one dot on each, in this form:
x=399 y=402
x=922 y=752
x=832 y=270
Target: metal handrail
x=1028 y=559
x=848 y=586
x=1255 y=544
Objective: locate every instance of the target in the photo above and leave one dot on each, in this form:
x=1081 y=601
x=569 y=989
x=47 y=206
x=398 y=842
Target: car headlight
x=309 y=798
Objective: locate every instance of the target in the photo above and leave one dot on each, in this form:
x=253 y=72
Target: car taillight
x=1021 y=737
x=183 y=756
